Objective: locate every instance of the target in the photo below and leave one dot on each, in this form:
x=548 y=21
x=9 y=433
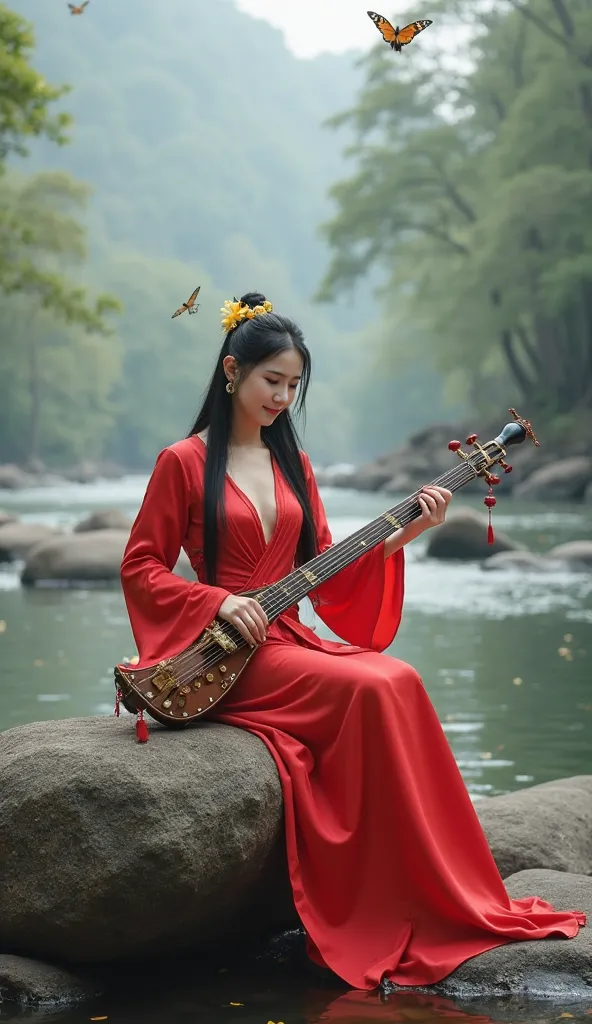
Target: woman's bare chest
x=252 y=473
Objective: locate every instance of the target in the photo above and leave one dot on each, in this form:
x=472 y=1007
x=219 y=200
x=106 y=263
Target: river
x=505 y=657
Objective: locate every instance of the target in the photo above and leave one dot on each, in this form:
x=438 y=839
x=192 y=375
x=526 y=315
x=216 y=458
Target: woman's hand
x=433 y=502
x=247 y=615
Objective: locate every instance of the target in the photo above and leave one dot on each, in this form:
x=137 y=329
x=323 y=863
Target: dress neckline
x=245 y=497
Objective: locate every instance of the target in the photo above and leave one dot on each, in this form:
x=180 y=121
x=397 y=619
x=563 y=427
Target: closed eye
x=275 y=382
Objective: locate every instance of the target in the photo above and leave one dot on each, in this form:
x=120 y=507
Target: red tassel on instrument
x=490 y=501
x=118 y=696
x=141 y=728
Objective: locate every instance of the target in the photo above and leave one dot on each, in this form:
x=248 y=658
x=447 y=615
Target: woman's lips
x=272 y=412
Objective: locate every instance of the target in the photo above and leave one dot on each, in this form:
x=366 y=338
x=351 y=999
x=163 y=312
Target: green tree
x=25 y=96
x=48 y=320
x=39 y=238
x=483 y=219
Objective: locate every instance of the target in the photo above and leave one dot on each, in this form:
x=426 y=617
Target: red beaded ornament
x=490 y=501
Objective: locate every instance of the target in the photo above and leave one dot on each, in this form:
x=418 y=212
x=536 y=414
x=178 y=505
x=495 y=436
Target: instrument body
x=182 y=688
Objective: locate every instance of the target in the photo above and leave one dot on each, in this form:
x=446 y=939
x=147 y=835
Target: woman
x=391 y=873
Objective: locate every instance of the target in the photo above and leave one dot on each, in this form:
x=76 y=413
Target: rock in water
x=28 y=983
x=547 y=968
x=545 y=826
x=104 y=519
x=113 y=849
x=464 y=536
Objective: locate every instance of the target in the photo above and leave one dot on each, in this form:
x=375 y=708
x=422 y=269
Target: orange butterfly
x=397 y=37
x=189 y=304
x=78 y=10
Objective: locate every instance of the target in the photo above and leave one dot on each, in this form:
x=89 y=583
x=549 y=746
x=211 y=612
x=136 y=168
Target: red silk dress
x=390 y=869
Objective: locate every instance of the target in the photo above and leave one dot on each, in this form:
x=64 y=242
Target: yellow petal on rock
x=565 y=1015
x=486 y=754
x=517 y=681
x=2 y=626
x=236 y=1004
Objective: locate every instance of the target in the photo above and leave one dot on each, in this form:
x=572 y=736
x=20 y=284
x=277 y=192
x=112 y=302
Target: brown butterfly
x=78 y=9
x=397 y=37
x=189 y=304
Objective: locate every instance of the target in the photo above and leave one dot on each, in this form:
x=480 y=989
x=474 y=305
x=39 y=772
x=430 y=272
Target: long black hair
x=252 y=342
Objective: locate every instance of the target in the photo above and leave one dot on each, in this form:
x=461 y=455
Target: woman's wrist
x=400 y=537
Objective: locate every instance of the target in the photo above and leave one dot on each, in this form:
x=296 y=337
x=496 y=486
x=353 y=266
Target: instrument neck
x=280 y=596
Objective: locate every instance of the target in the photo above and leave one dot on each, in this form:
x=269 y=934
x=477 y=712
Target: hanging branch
x=541 y=24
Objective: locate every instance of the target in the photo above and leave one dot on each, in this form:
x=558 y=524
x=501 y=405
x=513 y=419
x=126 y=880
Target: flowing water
x=505 y=658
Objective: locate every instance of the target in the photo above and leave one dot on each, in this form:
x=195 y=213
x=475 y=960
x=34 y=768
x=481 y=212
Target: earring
x=230 y=387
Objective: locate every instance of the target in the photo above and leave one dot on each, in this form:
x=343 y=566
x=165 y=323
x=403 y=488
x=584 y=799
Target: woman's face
x=269 y=388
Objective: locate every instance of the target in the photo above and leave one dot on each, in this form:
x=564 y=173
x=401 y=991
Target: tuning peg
x=454 y=446
x=471 y=438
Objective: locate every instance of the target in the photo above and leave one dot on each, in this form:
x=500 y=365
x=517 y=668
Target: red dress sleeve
x=362 y=603
x=166 y=612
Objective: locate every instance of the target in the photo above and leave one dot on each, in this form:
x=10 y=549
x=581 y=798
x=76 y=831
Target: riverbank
x=560 y=469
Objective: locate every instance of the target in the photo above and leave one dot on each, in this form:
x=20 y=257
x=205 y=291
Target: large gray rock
x=104 y=519
x=13 y=478
x=559 y=968
x=545 y=826
x=92 y=556
x=577 y=553
x=463 y=535
x=565 y=479
x=87 y=471
x=523 y=561
x=27 y=982
x=17 y=539
x=114 y=849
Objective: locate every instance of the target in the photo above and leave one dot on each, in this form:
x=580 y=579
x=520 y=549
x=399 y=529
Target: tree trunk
x=517 y=370
x=35 y=400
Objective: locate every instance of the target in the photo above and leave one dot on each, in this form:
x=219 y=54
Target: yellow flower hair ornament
x=235 y=312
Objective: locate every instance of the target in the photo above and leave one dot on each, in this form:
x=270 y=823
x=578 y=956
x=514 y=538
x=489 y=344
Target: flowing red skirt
x=391 y=872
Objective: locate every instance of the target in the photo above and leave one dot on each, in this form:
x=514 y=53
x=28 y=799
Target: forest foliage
x=480 y=208
x=162 y=156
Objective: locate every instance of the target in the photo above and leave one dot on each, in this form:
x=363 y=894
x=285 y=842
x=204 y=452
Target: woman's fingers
x=437 y=498
x=246 y=628
x=247 y=615
x=257 y=612
x=252 y=626
x=429 y=504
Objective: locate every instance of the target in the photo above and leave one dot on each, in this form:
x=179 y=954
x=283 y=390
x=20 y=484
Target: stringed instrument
x=182 y=688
